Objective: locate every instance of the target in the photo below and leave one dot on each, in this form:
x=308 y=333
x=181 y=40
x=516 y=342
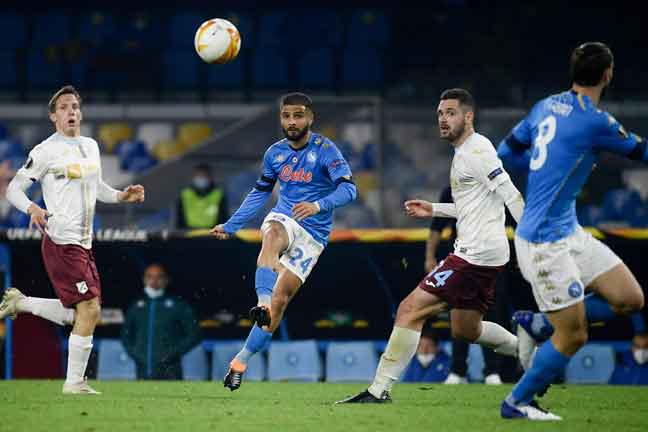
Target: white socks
x=50 y=309
x=79 y=348
x=498 y=338
x=397 y=356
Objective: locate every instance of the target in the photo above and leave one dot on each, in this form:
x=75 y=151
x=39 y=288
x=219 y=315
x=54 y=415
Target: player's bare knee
x=578 y=338
x=466 y=334
x=88 y=312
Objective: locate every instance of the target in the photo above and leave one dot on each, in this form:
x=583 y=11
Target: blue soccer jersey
x=316 y=172
x=559 y=142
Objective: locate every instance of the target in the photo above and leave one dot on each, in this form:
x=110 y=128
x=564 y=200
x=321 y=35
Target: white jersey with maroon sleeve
x=476 y=172
x=69 y=170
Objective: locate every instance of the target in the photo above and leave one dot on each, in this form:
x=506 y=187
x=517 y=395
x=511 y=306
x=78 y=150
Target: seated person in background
x=430 y=364
x=159 y=329
x=632 y=364
x=203 y=204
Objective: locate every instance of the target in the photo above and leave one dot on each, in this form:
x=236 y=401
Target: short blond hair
x=68 y=89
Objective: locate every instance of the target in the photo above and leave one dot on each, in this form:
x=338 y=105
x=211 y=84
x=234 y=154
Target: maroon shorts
x=72 y=271
x=462 y=285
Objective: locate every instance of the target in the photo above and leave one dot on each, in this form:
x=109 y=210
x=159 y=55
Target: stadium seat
x=44 y=68
x=228 y=76
x=620 y=204
x=157 y=221
x=271 y=29
x=43 y=35
x=270 y=69
x=350 y=361
x=133 y=156
x=97 y=28
x=194 y=364
x=13 y=24
x=182 y=28
x=10 y=148
x=223 y=353
x=592 y=364
x=363 y=68
x=192 y=133
x=114 y=363
x=152 y=133
x=294 y=361
x=315 y=69
x=166 y=149
x=590 y=215
x=110 y=134
x=368 y=29
x=180 y=69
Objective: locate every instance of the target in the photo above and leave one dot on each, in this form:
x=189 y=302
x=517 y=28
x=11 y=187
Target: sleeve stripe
x=268 y=180
x=639 y=151
x=344 y=180
x=264 y=188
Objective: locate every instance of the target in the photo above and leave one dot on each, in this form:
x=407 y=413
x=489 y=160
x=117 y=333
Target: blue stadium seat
x=114 y=363
x=14 y=25
x=315 y=69
x=180 y=69
x=230 y=75
x=182 y=29
x=272 y=29
x=140 y=33
x=44 y=70
x=223 y=353
x=619 y=204
x=369 y=28
x=592 y=364
x=270 y=69
x=133 y=156
x=350 y=361
x=590 y=215
x=97 y=29
x=194 y=364
x=51 y=29
x=10 y=148
x=363 y=68
x=294 y=361
x=157 y=221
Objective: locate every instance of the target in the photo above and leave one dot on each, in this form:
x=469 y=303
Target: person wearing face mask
x=430 y=364
x=203 y=203
x=632 y=364
x=159 y=329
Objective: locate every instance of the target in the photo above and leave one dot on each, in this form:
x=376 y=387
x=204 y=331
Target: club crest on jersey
x=301 y=175
x=318 y=141
x=82 y=287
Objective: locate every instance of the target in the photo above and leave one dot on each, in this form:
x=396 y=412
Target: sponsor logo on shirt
x=301 y=175
x=495 y=173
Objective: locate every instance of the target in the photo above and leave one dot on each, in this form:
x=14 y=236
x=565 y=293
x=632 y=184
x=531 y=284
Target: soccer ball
x=217 y=41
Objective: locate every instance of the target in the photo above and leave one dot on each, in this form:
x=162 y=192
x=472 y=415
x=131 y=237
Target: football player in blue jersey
x=314 y=179
x=558 y=143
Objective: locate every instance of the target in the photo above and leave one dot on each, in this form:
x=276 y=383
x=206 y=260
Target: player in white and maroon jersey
x=465 y=281
x=68 y=166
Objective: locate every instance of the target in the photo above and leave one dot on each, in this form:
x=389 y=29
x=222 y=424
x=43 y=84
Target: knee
x=405 y=312
x=465 y=334
x=575 y=340
x=631 y=303
x=89 y=312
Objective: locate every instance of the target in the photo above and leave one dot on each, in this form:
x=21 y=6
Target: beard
x=295 y=136
x=453 y=135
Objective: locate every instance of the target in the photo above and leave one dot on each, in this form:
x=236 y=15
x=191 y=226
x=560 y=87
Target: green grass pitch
x=188 y=406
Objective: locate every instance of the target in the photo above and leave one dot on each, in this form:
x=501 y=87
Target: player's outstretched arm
x=514 y=150
x=425 y=209
x=219 y=232
x=248 y=209
x=612 y=137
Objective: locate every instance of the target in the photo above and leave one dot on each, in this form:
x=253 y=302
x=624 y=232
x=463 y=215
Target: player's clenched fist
x=219 y=232
x=304 y=209
x=419 y=208
x=132 y=194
